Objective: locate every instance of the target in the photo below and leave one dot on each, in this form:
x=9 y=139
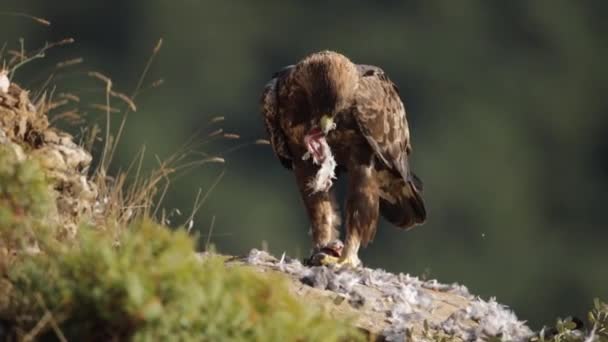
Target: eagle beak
x=327 y=123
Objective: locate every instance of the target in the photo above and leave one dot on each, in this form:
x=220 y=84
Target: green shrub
x=23 y=188
x=567 y=330
x=153 y=287
x=148 y=286
x=25 y=206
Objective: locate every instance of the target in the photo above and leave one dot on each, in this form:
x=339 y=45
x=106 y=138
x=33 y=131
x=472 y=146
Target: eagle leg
x=362 y=211
x=321 y=208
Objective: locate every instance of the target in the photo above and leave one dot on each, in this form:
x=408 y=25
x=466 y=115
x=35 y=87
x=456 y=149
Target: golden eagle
x=326 y=115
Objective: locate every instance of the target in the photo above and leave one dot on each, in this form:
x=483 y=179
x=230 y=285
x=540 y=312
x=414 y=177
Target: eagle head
x=329 y=80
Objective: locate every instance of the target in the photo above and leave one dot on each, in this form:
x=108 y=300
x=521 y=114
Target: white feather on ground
x=406 y=300
x=4 y=81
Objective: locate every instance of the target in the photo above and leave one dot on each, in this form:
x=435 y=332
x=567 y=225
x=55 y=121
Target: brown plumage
x=371 y=142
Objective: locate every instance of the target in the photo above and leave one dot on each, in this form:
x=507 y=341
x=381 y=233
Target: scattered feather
x=5 y=83
x=405 y=300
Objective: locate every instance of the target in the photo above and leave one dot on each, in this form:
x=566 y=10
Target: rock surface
x=395 y=307
x=24 y=127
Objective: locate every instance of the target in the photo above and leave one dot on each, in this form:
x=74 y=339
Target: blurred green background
x=506 y=103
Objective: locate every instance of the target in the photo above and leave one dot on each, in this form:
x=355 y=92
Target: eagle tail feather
x=406 y=209
x=417 y=182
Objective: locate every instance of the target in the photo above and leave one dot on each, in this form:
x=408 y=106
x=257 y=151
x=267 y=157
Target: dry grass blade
x=38 y=328
x=56 y=104
x=140 y=82
x=167 y=181
x=145 y=195
x=101 y=77
x=107 y=143
x=71 y=116
x=215 y=133
x=209 y=233
x=38 y=20
x=238 y=147
x=125 y=99
x=214 y=160
x=47 y=319
x=216 y=119
x=69 y=62
x=22 y=59
x=69 y=96
x=198 y=202
x=105 y=108
x=90 y=138
x=59 y=334
x=231 y=136
x=52 y=74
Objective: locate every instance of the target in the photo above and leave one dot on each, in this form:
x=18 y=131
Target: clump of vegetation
x=566 y=330
x=25 y=206
x=154 y=287
x=571 y=329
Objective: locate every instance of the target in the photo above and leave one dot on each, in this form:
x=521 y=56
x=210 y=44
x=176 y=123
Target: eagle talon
x=350 y=262
x=326 y=254
x=331 y=255
x=328 y=260
x=323 y=259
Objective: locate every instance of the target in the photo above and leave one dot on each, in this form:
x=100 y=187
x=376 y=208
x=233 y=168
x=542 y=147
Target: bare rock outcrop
x=395 y=307
x=24 y=127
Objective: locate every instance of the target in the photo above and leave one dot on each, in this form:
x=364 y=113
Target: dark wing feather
x=270 y=111
x=380 y=115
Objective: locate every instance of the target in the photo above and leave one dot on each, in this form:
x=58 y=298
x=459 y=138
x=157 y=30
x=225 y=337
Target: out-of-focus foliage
x=25 y=202
x=506 y=102
x=568 y=329
x=153 y=287
x=148 y=285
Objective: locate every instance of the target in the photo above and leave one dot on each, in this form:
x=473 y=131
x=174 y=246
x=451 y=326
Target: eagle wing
x=381 y=117
x=270 y=111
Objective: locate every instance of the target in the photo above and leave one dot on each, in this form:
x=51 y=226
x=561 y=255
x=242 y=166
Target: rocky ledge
x=394 y=307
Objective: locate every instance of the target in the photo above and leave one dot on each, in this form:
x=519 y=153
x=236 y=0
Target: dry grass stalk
x=130 y=194
x=38 y=20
